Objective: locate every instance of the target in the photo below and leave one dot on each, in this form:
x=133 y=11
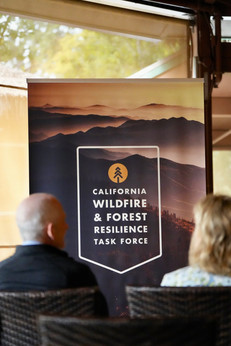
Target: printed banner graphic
x=115 y=208
x=126 y=158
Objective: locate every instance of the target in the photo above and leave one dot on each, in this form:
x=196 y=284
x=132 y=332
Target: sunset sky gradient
x=185 y=95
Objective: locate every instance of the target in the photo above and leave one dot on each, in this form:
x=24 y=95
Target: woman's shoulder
x=194 y=276
x=177 y=277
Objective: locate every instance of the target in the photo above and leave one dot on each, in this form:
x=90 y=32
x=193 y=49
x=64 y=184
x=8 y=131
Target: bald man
x=40 y=263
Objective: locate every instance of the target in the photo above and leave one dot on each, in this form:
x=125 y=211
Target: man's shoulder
x=62 y=258
x=10 y=259
x=46 y=259
x=38 y=253
x=40 y=249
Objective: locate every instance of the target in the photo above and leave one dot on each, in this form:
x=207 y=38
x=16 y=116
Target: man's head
x=41 y=217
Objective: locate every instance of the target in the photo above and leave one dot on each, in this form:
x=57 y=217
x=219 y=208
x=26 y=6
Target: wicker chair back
x=73 y=331
x=210 y=302
x=19 y=311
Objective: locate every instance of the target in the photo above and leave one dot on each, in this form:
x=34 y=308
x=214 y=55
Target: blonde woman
x=210 y=247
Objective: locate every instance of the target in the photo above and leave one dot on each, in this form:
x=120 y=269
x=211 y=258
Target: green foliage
x=52 y=50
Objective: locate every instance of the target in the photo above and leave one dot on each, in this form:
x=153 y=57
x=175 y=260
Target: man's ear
x=50 y=231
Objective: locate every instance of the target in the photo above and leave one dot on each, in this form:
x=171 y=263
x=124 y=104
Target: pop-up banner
x=126 y=158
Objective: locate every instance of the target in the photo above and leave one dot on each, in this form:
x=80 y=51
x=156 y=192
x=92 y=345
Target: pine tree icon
x=118 y=174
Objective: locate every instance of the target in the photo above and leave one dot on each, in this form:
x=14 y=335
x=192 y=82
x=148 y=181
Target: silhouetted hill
x=48 y=124
x=175 y=134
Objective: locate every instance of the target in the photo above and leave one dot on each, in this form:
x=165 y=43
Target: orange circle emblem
x=118 y=173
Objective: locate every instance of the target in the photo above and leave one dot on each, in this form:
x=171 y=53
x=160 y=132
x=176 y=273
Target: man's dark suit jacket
x=44 y=267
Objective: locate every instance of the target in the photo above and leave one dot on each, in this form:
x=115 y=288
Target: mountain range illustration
x=180 y=140
x=155 y=110
x=44 y=124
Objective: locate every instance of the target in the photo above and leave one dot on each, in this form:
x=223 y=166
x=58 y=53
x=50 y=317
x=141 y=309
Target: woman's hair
x=210 y=247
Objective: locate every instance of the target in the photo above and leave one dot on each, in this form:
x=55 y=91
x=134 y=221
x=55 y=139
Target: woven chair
x=73 y=331
x=19 y=311
x=184 y=302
